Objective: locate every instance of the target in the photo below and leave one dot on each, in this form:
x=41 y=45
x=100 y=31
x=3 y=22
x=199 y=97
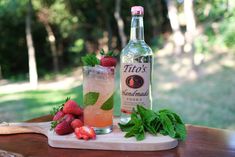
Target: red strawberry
x=69 y=118
x=85 y=137
x=63 y=128
x=58 y=115
x=108 y=61
x=76 y=123
x=85 y=132
x=81 y=117
x=72 y=107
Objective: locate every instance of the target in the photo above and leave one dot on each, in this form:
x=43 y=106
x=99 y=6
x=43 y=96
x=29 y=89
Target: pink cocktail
x=98 y=93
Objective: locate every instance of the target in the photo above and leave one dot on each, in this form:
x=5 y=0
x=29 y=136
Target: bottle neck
x=137 y=28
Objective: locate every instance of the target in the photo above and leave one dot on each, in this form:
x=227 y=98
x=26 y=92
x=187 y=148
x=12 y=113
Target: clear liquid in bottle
x=136 y=68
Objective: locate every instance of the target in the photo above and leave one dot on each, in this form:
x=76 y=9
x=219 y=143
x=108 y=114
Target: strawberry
x=69 y=118
x=58 y=115
x=72 y=107
x=63 y=128
x=76 y=123
x=85 y=132
x=81 y=117
x=108 y=61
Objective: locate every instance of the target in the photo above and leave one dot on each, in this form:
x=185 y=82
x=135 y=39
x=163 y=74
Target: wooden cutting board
x=112 y=141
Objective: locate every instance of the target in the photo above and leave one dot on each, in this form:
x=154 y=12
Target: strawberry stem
x=102 y=52
x=54 y=124
x=108 y=54
x=67 y=99
x=55 y=109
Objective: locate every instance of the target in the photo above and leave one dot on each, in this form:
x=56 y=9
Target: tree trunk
x=120 y=23
x=190 y=29
x=106 y=42
x=51 y=38
x=1 y=73
x=227 y=5
x=33 y=76
x=152 y=17
x=60 y=50
x=43 y=16
x=110 y=34
x=177 y=34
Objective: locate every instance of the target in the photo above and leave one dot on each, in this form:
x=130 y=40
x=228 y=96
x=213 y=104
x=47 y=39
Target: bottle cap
x=137 y=10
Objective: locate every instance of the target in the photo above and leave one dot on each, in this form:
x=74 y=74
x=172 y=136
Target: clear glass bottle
x=136 y=68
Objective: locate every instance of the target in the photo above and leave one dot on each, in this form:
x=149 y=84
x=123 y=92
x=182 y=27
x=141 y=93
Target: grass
x=25 y=105
x=208 y=100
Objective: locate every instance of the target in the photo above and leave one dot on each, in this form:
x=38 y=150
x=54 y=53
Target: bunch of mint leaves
x=90 y=60
x=145 y=120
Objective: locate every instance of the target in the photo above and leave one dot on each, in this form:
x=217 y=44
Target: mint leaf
x=148 y=117
x=126 y=127
x=179 y=127
x=90 y=60
x=140 y=136
x=136 y=129
x=108 y=104
x=167 y=124
x=90 y=98
x=180 y=131
x=177 y=118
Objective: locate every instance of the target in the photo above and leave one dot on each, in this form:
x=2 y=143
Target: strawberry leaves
x=102 y=52
x=108 y=54
x=54 y=124
x=55 y=109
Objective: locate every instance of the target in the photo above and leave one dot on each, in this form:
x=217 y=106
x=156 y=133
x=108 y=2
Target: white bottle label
x=135 y=80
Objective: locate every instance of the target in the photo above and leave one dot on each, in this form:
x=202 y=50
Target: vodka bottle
x=136 y=68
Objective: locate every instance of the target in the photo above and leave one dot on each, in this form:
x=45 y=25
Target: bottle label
x=135 y=80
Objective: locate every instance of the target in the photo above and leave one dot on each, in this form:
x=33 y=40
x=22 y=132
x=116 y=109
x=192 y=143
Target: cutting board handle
x=16 y=128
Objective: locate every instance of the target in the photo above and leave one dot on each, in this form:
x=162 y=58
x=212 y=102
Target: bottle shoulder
x=137 y=48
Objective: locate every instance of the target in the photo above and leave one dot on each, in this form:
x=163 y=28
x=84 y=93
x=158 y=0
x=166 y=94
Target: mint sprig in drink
x=98 y=91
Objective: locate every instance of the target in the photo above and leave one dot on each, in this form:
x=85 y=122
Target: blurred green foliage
x=217 y=17
x=82 y=26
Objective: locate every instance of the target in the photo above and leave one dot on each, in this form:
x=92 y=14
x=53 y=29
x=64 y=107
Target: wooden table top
x=201 y=142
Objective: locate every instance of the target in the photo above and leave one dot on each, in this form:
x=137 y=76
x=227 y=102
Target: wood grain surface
x=201 y=142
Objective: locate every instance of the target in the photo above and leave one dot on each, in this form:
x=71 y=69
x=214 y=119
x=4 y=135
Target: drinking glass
x=98 y=93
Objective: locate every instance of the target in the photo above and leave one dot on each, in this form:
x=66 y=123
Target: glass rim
x=100 y=69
